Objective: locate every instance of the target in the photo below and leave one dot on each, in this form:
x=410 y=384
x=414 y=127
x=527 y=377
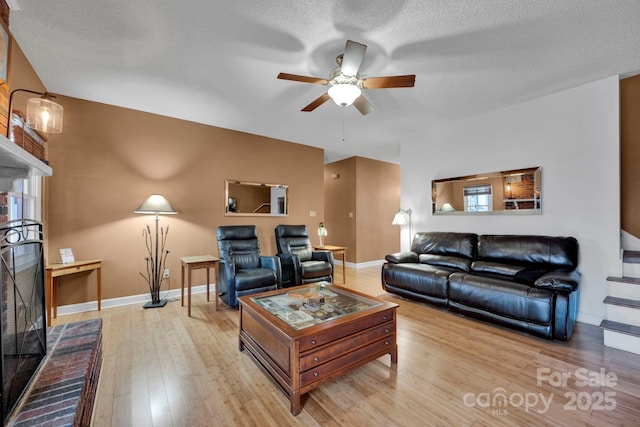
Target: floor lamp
x=43 y=114
x=156 y=204
x=400 y=220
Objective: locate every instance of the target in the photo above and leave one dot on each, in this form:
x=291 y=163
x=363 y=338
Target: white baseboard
x=173 y=293
x=361 y=264
x=589 y=319
x=132 y=299
x=622 y=341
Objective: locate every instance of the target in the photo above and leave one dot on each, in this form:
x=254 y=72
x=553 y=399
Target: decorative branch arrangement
x=155 y=261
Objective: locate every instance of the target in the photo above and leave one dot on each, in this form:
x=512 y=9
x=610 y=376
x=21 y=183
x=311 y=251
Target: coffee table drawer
x=346 y=345
x=316 y=341
x=340 y=363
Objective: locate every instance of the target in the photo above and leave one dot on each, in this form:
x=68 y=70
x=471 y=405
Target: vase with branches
x=155 y=263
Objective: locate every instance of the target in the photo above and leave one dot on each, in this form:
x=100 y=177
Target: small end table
x=53 y=271
x=193 y=263
x=337 y=250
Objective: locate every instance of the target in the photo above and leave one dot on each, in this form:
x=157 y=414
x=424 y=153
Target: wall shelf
x=16 y=163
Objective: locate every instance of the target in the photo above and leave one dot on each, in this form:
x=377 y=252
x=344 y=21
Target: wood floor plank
x=163 y=368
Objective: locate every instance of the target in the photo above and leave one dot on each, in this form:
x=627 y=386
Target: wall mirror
x=243 y=198
x=508 y=192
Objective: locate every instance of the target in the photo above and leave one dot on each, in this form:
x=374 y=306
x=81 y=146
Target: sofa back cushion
x=540 y=252
x=457 y=263
x=294 y=240
x=239 y=243
x=462 y=245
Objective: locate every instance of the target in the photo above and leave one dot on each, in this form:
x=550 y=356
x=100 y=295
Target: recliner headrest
x=236 y=232
x=291 y=231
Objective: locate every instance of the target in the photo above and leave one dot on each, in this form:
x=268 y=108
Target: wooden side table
x=193 y=263
x=337 y=250
x=53 y=271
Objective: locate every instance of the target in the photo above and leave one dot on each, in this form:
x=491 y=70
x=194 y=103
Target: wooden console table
x=337 y=250
x=193 y=263
x=53 y=271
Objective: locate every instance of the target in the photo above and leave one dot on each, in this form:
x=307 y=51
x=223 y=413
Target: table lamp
x=322 y=232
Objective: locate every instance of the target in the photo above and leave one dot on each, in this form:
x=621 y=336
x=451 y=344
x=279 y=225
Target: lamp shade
x=344 y=94
x=447 y=208
x=399 y=219
x=322 y=230
x=44 y=115
x=156 y=204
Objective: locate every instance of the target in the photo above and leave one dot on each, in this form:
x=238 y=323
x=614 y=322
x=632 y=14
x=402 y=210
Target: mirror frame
x=228 y=211
x=536 y=198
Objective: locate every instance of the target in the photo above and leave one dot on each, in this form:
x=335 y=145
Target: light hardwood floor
x=162 y=368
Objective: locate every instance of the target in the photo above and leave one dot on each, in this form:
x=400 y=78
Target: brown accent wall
x=340 y=205
x=361 y=197
x=109 y=160
x=630 y=155
x=22 y=77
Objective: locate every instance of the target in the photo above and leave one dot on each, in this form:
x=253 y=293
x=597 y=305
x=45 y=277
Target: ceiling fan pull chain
x=343 y=125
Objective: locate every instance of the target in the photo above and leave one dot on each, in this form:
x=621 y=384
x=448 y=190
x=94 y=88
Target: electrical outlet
x=165 y=275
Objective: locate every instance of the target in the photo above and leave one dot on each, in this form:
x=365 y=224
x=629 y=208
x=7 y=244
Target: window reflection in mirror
x=507 y=192
x=244 y=198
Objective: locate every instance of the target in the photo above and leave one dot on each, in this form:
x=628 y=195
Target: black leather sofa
x=530 y=283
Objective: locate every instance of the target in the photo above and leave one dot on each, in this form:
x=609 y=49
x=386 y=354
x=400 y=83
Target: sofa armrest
x=326 y=256
x=272 y=263
x=402 y=257
x=226 y=275
x=566 y=281
x=290 y=265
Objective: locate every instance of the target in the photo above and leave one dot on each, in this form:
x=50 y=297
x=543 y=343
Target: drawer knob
x=384 y=317
x=315 y=373
x=386 y=331
x=315 y=359
x=313 y=342
x=386 y=343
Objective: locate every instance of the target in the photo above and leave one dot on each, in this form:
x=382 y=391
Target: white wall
x=574 y=136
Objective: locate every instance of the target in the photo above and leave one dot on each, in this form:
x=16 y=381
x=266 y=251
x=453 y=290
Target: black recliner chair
x=242 y=270
x=300 y=263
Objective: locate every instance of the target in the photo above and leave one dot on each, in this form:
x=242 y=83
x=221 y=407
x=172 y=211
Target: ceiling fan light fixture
x=344 y=94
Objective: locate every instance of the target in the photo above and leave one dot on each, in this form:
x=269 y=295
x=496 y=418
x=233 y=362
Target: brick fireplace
x=23 y=343
x=49 y=375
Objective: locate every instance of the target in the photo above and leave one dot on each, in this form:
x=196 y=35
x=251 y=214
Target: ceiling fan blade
x=388 y=82
x=363 y=105
x=352 y=58
x=317 y=102
x=303 y=79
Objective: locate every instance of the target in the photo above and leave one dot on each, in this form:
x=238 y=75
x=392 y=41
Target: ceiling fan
x=346 y=85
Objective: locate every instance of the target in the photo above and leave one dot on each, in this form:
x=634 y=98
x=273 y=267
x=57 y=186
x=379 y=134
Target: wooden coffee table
x=302 y=342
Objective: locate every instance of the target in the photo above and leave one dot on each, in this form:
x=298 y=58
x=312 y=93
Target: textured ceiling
x=216 y=62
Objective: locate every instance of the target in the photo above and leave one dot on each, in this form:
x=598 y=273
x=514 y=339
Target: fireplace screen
x=22 y=305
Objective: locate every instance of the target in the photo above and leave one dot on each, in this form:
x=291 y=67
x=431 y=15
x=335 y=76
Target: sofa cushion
x=315 y=269
x=400 y=257
x=559 y=281
x=454 y=262
x=245 y=258
x=303 y=252
x=253 y=278
x=443 y=243
x=517 y=273
x=502 y=297
x=498 y=268
x=539 y=251
x=418 y=278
